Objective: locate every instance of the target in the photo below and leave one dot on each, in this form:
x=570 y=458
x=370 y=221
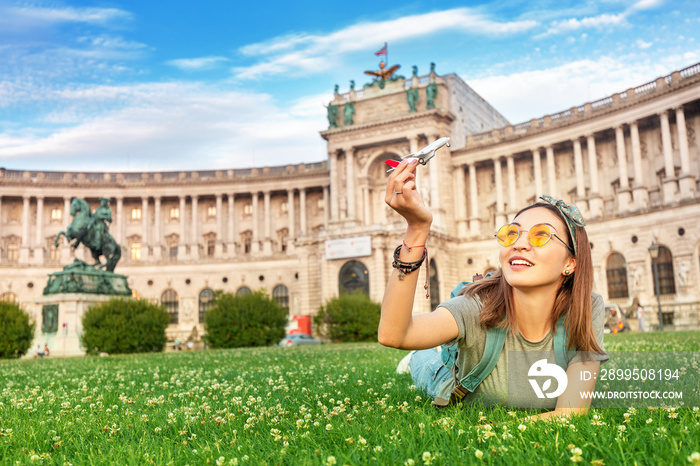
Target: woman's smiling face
x=527 y=266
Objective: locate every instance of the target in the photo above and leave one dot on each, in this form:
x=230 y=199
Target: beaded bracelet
x=405 y=268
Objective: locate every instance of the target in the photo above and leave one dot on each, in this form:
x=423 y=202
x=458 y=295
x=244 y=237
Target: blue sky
x=181 y=85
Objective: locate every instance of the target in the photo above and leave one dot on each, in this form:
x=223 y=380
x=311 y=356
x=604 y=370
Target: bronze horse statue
x=91 y=230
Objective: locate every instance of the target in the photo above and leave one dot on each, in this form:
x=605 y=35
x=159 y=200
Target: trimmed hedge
x=16 y=331
x=252 y=319
x=124 y=325
x=349 y=317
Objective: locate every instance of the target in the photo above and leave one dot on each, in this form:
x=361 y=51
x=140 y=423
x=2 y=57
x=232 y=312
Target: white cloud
x=646 y=4
x=533 y=94
x=304 y=54
x=15 y=18
x=201 y=63
x=166 y=126
x=643 y=45
x=574 y=24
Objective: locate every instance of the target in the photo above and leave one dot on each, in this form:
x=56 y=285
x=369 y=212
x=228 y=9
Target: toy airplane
x=424 y=155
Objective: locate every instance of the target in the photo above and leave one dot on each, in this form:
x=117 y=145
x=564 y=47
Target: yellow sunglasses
x=538 y=235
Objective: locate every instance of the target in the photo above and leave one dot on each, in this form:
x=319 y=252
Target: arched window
x=169 y=299
x=243 y=291
x=281 y=294
x=353 y=276
x=8 y=296
x=667 y=283
x=616 y=272
x=434 y=286
x=206 y=301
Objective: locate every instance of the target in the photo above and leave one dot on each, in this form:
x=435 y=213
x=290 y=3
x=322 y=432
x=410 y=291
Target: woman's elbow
x=388 y=339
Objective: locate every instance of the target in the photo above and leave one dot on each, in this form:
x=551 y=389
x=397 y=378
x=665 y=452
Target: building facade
x=306 y=232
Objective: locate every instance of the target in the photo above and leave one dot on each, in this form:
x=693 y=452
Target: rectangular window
x=211 y=211
x=247 y=245
x=13 y=252
x=284 y=207
x=135 y=214
x=173 y=251
x=248 y=209
x=211 y=248
x=135 y=251
x=174 y=213
x=56 y=214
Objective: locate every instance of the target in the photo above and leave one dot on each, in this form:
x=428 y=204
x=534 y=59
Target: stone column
x=291 y=214
x=39 y=240
x=435 y=191
x=669 y=180
x=686 y=181
x=255 y=247
x=219 y=245
x=551 y=172
x=640 y=194
x=458 y=177
x=65 y=247
x=267 y=243
x=578 y=168
x=623 y=194
x=24 y=247
x=183 y=241
x=512 y=189
x=350 y=182
x=0 y=216
x=326 y=207
x=537 y=168
x=500 y=214
x=118 y=221
x=157 y=239
x=595 y=201
x=366 y=206
x=144 y=229
x=231 y=238
x=302 y=211
x=195 y=239
x=474 y=219
x=335 y=206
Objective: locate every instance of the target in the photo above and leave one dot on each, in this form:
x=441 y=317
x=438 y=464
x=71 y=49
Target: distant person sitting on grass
x=46 y=350
x=537 y=304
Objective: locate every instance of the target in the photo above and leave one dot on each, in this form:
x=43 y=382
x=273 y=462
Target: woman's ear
x=569 y=267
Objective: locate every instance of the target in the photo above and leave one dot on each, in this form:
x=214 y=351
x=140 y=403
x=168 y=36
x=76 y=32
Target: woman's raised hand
x=402 y=195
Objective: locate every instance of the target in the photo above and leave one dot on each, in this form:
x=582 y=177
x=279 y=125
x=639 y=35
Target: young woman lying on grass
x=538 y=302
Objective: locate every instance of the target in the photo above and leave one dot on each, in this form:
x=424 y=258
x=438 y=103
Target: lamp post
x=654 y=253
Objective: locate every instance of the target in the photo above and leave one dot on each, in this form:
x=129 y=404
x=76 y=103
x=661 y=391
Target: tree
x=124 y=325
x=349 y=317
x=252 y=319
x=16 y=331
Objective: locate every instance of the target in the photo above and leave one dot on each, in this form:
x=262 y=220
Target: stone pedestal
x=595 y=207
x=62 y=335
x=641 y=197
x=686 y=183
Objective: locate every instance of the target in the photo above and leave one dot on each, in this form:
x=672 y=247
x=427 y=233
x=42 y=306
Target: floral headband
x=572 y=216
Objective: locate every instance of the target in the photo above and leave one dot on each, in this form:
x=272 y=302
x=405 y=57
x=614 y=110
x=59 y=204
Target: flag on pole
x=382 y=51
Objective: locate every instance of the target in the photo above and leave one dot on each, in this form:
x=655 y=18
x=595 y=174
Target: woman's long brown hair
x=573 y=297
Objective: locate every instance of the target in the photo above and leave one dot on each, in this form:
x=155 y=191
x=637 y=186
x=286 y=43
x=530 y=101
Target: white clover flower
x=427 y=457
x=479 y=454
x=331 y=461
x=694 y=458
x=522 y=427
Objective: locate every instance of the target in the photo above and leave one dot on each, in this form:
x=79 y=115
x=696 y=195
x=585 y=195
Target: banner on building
x=344 y=248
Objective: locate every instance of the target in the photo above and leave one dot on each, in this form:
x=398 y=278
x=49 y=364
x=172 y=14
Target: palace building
x=307 y=232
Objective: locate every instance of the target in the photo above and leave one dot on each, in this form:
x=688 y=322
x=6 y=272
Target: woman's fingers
x=403 y=173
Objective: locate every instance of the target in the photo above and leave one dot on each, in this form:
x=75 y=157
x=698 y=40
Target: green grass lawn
x=330 y=404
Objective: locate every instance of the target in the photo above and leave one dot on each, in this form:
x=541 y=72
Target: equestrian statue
x=90 y=229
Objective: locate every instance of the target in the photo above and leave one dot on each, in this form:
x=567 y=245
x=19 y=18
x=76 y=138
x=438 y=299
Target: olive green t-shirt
x=494 y=388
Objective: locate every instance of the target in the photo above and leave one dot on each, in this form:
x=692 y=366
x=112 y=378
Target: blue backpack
x=495 y=340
